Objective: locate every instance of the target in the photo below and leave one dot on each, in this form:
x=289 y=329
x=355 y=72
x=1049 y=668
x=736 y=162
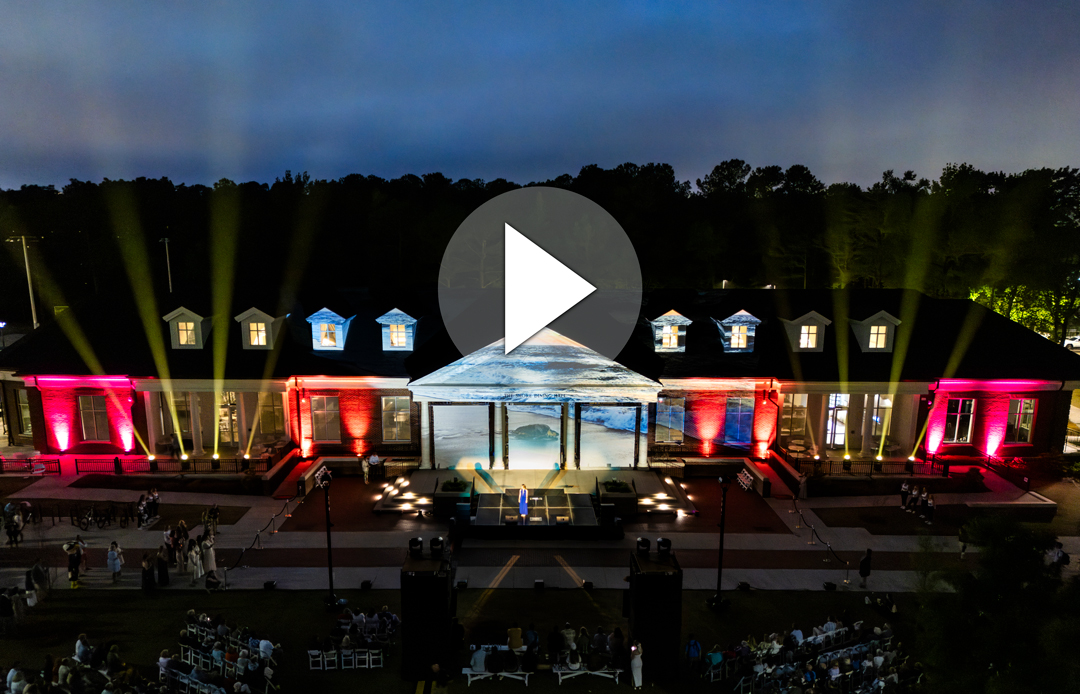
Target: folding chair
x=348 y=660
x=330 y=660
x=315 y=660
x=230 y=669
x=362 y=660
x=375 y=658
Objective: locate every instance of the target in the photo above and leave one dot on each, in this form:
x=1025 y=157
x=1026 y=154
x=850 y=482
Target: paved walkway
x=772 y=560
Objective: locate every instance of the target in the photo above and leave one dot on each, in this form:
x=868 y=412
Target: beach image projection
x=461 y=436
x=534 y=436
x=607 y=437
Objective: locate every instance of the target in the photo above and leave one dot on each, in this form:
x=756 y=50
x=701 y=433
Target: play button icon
x=539 y=257
x=539 y=288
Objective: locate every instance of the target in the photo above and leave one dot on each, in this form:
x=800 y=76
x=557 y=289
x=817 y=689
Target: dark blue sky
x=202 y=91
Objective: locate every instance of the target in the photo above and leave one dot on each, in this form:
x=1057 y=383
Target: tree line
x=1009 y=241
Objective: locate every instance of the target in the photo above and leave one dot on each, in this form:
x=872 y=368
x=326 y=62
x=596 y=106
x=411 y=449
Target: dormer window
x=807 y=333
x=257 y=334
x=259 y=329
x=398 y=329
x=329 y=331
x=737 y=332
x=876 y=333
x=187 y=330
x=877 y=336
x=669 y=332
x=328 y=335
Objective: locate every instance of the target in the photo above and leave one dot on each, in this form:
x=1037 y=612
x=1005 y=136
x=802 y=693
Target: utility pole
x=29 y=282
x=168 y=263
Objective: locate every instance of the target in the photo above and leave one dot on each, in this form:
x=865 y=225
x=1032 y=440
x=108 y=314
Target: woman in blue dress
x=523 y=502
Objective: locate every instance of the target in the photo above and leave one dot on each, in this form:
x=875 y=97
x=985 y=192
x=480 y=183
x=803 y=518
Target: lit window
x=185 y=333
x=398 y=337
x=793 y=422
x=95 y=421
x=271 y=414
x=26 y=426
x=882 y=415
x=738 y=420
x=877 y=336
x=1021 y=420
x=181 y=407
x=738 y=337
x=328 y=334
x=396 y=418
x=670 y=413
x=958 y=419
x=670 y=338
x=325 y=418
x=808 y=337
x=257 y=334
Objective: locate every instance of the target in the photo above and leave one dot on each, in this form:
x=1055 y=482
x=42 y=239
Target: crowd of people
x=358 y=630
x=226 y=657
x=827 y=658
x=915 y=500
x=91 y=669
x=562 y=647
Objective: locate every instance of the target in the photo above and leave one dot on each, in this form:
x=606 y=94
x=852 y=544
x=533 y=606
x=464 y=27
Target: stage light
x=679 y=513
x=878 y=458
x=663 y=547
x=436 y=546
x=184 y=456
x=847 y=457
x=151 y=457
x=663 y=507
x=689 y=497
x=247 y=456
x=385 y=485
x=403 y=483
x=661 y=495
x=378 y=496
x=215 y=456
x=643 y=545
x=668 y=480
x=406 y=506
x=817 y=457
x=422 y=501
x=407 y=495
x=416 y=547
x=911 y=458
x=645 y=501
x=399 y=480
x=682 y=485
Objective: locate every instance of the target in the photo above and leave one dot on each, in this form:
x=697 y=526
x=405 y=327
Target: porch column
x=868 y=427
x=241 y=416
x=152 y=422
x=196 y=425
x=425 y=436
x=823 y=416
x=504 y=429
x=564 y=428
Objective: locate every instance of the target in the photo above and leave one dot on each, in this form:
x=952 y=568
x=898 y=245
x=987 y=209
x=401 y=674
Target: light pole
x=29 y=283
x=323 y=478
x=3 y=325
x=716 y=601
x=168 y=263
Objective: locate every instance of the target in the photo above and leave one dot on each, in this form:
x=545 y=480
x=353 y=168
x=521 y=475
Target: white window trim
x=808 y=335
x=958 y=414
x=314 y=434
x=93 y=412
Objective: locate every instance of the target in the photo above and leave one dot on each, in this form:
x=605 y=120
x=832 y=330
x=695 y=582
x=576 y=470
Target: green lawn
x=143 y=625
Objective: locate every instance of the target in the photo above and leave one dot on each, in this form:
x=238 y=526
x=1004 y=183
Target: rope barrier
x=257 y=542
x=828 y=546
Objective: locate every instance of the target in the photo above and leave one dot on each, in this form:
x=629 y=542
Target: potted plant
x=619 y=494
x=447 y=496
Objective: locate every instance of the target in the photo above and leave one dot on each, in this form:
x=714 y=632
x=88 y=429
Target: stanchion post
x=258 y=540
x=273 y=528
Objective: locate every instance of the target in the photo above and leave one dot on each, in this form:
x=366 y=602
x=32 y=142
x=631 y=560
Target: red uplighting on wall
x=705 y=418
x=992 y=420
x=60 y=407
x=764 y=431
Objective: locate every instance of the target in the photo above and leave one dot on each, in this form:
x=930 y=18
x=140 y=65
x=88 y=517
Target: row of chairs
x=746 y=481
x=206 y=662
x=183 y=684
x=379 y=631
x=345 y=660
x=205 y=632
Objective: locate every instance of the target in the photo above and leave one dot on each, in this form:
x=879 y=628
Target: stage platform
x=546 y=507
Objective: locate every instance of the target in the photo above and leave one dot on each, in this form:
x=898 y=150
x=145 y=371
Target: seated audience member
x=529 y=659
x=267 y=650
x=188 y=640
x=217 y=652
x=513 y=638
x=63 y=671
x=113 y=662
x=568 y=635
x=531 y=637
x=478 y=660
x=555 y=642
x=583 y=642
x=253 y=643
x=346 y=643
x=496 y=662
x=829 y=626
x=595 y=662
x=574 y=661
x=83 y=650
x=18 y=682
x=834 y=670
x=163 y=660
x=358 y=619
x=599 y=641
x=809 y=676
x=231 y=655
x=242 y=660
x=714 y=657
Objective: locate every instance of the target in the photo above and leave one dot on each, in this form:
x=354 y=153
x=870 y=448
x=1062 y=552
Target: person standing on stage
x=523 y=502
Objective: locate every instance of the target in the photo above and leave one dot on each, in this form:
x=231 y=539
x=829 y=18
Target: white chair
x=348 y=660
x=315 y=660
x=330 y=660
x=230 y=669
x=362 y=660
x=375 y=658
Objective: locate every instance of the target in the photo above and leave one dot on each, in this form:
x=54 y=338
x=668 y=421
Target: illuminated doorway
x=837 y=423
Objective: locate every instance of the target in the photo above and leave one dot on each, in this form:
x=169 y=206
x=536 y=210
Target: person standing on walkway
x=195 y=559
x=209 y=560
x=366 y=467
x=113 y=562
x=912 y=500
x=635 y=663
x=962 y=538
x=147 y=572
x=162 y=566
x=905 y=491
x=864 y=567
x=74 y=557
x=929 y=509
x=922 y=501
x=693 y=655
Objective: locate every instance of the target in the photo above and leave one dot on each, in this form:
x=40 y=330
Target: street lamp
x=323 y=478
x=29 y=281
x=168 y=263
x=716 y=601
x=3 y=324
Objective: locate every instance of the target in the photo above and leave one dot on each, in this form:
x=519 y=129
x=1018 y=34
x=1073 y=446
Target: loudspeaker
x=538 y=584
x=365 y=585
x=510 y=520
x=655 y=613
x=562 y=520
x=743 y=585
x=587 y=585
x=462 y=585
x=828 y=585
x=270 y=585
x=426 y=608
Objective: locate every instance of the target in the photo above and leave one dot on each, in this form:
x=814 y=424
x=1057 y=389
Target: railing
x=867 y=468
x=257 y=542
x=145 y=466
x=830 y=553
x=33 y=466
x=395 y=467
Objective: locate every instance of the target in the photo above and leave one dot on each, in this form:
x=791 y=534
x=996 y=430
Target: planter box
x=445 y=503
x=625 y=503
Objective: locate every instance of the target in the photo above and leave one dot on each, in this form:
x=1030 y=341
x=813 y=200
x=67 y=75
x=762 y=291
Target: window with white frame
x=185 y=332
x=881 y=417
x=325 y=418
x=959 y=416
x=1021 y=420
x=257 y=334
x=328 y=334
x=738 y=420
x=396 y=418
x=398 y=336
x=793 y=421
x=670 y=418
x=878 y=335
x=181 y=407
x=271 y=413
x=808 y=337
x=95 y=420
x=738 y=337
x=22 y=399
